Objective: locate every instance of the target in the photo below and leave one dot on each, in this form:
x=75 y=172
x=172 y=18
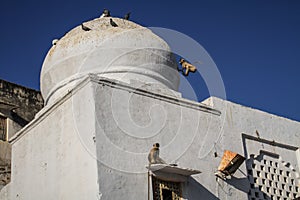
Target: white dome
x=127 y=52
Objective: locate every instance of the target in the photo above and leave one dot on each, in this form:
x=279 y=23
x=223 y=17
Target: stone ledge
x=172 y=169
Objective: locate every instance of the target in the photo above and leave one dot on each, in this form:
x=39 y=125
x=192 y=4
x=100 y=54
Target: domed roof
x=127 y=52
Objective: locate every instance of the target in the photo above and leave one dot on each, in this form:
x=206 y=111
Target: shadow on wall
x=14 y=117
x=197 y=191
x=241 y=184
x=18 y=119
x=247 y=185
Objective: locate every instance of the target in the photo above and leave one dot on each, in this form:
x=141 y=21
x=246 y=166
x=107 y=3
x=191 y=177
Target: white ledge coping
x=42 y=114
x=164 y=97
x=172 y=169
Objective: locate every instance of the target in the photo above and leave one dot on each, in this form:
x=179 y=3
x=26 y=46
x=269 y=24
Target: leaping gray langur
x=187 y=66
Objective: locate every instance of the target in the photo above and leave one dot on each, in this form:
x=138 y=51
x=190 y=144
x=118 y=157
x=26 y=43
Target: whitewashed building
x=110 y=93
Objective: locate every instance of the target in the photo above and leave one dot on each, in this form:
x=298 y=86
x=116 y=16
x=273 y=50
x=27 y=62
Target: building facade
x=18 y=106
x=110 y=93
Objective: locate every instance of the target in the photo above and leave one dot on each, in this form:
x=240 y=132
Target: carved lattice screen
x=271 y=178
x=272 y=169
x=160 y=187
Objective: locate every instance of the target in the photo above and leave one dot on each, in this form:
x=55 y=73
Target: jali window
x=165 y=190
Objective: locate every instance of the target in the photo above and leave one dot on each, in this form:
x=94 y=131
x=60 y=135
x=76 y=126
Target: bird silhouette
x=127 y=16
x=105 y=13
x=113 y=23
x=85 y=28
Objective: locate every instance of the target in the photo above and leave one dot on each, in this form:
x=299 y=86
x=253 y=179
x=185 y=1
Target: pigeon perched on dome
x=127 y=16
x=105 y=13
x=85 y=28
x=113 y=23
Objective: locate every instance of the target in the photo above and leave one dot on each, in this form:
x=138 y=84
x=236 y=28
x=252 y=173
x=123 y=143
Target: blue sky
x=255 y=44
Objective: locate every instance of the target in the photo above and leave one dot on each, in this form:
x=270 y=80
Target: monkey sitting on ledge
x=187 y=66
x=153 y=156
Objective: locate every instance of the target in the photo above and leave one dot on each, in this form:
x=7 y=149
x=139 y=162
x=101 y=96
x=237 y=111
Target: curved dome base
x=127 y=52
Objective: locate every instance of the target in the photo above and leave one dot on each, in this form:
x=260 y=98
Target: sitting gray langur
x=153 y=156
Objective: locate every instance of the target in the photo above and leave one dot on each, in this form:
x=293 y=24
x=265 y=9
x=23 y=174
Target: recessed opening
x=280 y=172
x=3 y=128
x=287 y=164
x=287 y=194
x=166 y=194
x=292 y=181
x=258 y=173
x=265 y=161
x=269 y=169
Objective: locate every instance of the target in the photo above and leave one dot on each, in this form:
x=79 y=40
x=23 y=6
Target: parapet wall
x=24 y=102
